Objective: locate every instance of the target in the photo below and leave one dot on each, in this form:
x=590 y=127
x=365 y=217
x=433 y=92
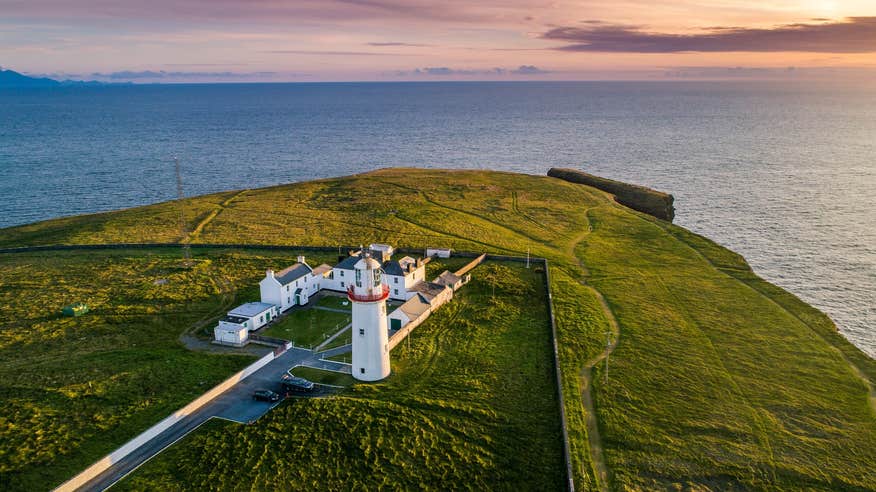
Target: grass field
x=307 y=327
x=323 y=377
x=335 y=302
x=471 y=404
x=719 y=380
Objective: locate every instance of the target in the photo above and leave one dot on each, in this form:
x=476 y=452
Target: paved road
x=235 y=404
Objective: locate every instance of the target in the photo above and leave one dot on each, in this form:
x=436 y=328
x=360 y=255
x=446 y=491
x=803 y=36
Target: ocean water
x=785 y=175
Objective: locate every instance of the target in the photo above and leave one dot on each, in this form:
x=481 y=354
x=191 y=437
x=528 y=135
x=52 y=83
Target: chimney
x=269 y=273
x=300 y=258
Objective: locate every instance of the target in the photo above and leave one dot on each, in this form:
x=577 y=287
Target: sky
x=169 y=41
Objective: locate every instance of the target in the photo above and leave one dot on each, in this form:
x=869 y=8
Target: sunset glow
x=270 y=40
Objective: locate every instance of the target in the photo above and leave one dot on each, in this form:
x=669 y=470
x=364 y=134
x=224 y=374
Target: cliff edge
x=646 y=200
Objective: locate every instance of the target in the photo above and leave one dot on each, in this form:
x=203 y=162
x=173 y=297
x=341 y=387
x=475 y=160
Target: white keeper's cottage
x=294 y=285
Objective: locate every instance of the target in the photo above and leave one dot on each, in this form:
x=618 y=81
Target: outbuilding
x=439 y=252
x=231 y=331
x=254 y=314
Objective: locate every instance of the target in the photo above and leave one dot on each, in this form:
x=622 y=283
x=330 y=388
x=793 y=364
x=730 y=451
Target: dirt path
x=212 y=215
x=586 y=374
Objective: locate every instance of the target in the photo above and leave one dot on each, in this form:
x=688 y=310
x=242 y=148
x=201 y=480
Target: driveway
x=235 y=404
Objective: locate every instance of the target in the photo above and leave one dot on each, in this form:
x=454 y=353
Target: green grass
x=335 y=302
x=323 y=377
x=719 y=380
x=345 y=338
x=470 y=404
x=307 y=327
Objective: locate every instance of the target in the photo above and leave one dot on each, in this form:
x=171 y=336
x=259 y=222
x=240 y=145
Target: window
x=261 y=319
x=395 y=281
x=287 y=288
x=342 y=284
x=377 y=277
x=361 y=370
x=362 y=331
x=358 y=278
x=342 y=273
x=395 y=291
x=244 y=323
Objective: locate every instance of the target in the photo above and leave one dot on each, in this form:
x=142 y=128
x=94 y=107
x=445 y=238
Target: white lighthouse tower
x=370 y=334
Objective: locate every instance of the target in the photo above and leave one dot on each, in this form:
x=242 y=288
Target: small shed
x=439 y=252
x=254 y=314
x=232 y=334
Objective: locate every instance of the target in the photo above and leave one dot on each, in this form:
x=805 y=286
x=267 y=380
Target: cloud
x=447 y=71
x=332 y=53
x=852 y=35
x=272 y=11
x=397 y=43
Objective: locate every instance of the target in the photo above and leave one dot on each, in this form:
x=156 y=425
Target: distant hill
x=10 y=78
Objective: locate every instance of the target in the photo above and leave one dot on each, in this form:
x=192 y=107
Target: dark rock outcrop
x=646 y=200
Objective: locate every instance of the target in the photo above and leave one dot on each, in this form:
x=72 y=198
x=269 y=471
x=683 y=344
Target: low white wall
x=406 y=330
x=103 y=464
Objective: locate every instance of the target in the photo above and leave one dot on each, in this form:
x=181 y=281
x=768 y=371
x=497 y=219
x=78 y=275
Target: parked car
x=265 y=395
x=293 y=384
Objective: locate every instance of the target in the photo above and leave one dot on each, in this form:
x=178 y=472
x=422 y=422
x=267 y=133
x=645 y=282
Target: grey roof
x=447 y=278
x=348 y=263
x=393 y=267
x=250 y=309
x=293 y=273
x=237 y=320
x=429 y=290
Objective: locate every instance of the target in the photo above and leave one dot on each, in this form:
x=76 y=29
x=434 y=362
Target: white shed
x=439 y=252
x=231 y=333
x=254 y=314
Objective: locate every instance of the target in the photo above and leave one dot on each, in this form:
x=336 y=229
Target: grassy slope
x=457 y=413
x=719 y=379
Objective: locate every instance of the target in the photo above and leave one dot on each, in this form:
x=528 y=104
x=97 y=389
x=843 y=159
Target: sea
x=783 y=173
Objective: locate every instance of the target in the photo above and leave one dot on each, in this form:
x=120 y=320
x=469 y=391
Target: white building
x=381 y=252
x=234 y=328
x=291 y=286
x=413 y=310
x=370 y=335
x=254 y=314
x=341 y=275
x=401 y=275
x=452 y=280
x=231 y=333
x=439 y=252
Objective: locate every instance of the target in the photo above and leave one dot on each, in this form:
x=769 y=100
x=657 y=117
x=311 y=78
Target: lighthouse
x=370 y=335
